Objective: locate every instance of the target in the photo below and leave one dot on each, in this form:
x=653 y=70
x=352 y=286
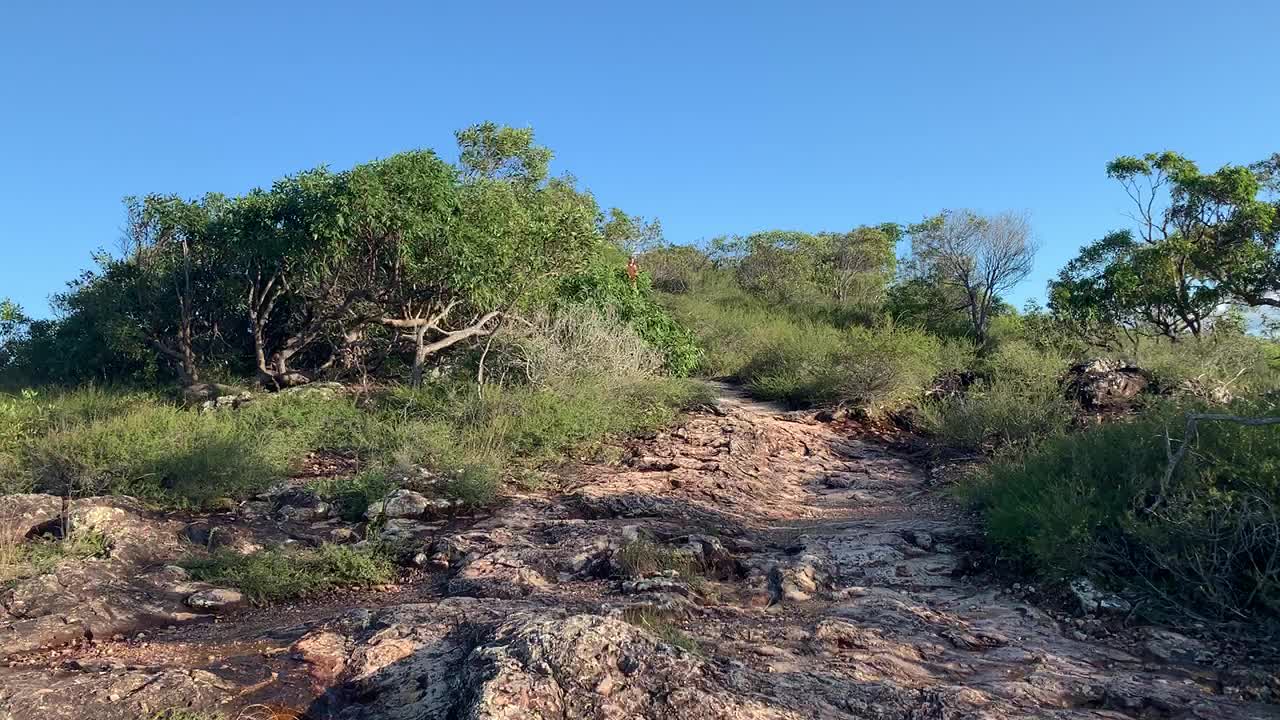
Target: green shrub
x=992 y=416
x=282 y=574
x=1017 y=401
x=155 y=450
x=871 y=368
x=606 y=286
x=352 y=496
x=811 y=355
x=1239 y=363
x=1095 y=502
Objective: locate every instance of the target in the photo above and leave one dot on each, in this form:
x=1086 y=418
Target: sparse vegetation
x=20 y=558
x=283 y=573
x=660 y=626
x=487 y=312
x=641 y=557
x=81 y=442
x=988 y=381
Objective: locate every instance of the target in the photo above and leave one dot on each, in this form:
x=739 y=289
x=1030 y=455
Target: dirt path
x=830 y=583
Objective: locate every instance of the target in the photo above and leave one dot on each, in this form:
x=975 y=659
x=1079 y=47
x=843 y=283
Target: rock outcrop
x=1103 y=384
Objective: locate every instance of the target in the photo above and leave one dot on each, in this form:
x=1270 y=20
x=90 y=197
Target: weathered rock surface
x=130 y=589
x=72 y=692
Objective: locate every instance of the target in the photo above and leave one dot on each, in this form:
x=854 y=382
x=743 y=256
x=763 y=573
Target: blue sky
x=715 y=117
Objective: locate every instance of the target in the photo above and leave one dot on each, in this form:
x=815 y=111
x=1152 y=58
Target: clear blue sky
x=717 y=117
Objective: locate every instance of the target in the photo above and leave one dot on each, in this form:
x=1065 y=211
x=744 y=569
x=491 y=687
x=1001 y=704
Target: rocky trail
x=749 y=563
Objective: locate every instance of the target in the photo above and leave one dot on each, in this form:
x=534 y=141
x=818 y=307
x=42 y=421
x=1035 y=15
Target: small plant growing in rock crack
x=352 y=496
x=660 y=625
x=640 y=558
x=20 y=559
x=283 y=574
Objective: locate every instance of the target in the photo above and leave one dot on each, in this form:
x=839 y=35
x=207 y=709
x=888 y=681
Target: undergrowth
x=92 y=441
x=1097 y=502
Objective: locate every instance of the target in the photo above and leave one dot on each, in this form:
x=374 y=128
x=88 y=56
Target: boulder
x=711 y=556
x=587 y=666
x=300 y=504
x=1093 y=600
x=1168 y=646
x=216 y=599
x=23 y=515
x=220 y=537
x=1104 y=384
x=400 y=504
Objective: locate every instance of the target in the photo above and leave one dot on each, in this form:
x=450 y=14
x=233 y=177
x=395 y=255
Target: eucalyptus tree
x=1120 y=289
x=1201 y=244
x=1220 y=228
x=982 y=258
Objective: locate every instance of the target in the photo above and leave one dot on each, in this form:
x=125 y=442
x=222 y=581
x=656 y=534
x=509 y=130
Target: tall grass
x=473 y=433
x=154 y=449
x=282 y=574
x=805 y=358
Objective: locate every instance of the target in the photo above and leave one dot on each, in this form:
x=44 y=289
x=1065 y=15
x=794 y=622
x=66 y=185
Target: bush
x=675 y=269
x=282 y=574
x=1238 y=363
x=472 y=435
x=804 y=359
x=92 y=442
x=1096 y=502
x=352 y=496
x=575 y=342
x=1018 y=400
x=606 y=286
x=870 y=368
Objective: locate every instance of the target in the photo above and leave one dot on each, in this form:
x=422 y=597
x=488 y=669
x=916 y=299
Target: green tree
x=175 y=276
x=1219 y=228
x=1119 y=290
x=290 y=248
x=14 y=325
x=781 y=265
x=498 y=152
x=631 y=233
x=860 y=263
x=938 y=308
